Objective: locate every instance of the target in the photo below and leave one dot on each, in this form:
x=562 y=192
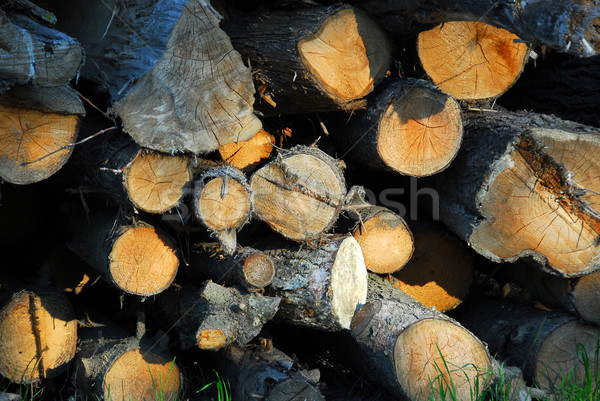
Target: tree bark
x=300 y=194
x=38 y=126
x=416 y=351
x=524 y=185
x=312 y=59
x=565 y=26
x=409 y=127
x=320 y=288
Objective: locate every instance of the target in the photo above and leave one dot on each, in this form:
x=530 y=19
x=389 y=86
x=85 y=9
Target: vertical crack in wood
x=35 y=327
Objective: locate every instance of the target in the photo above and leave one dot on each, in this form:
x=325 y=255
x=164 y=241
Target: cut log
x=312 y=59
x=135 y=257
x=440 y=272
x=223 y=203
x=213 y=316
x=181 y=86
x=377 y=229
x=39 y=335
x=550 y=347
x=565 y=26
x=409 y=127
x=525 y=185
x=249 y=268
x=246 y=155
x=111 y=365
x=320 y=288
x=37 y=128
x=267 y=373
x=300 y=194
x=417 y=351
x=33 y=53
x=471 y=60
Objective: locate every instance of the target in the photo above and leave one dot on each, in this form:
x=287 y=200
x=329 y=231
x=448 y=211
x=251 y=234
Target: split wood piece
x=35 y=53
x=576 y=295
x=246 y=155
x=409 y=127
x=440 y=272
x=470 y=60
x=39 y=335
x=223 y=203
x=416 y=350
x=111 y=365
x=136 y=257
x=548 y=345
x=565 y=26
x=267 y=373
x=320 y=288
x=37 y=128
x=313 y=59
x=300 y=194
x=68 y=272
x=212 y=317
x=384 y=237
x=525 y=185
x=249 y=268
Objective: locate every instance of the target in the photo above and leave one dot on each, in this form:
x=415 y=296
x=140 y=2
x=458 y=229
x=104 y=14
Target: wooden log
x=39 y=335
x=565 y=26
x=267 y=373
x=416 y=351
x=223 y=203
x=300 y=194
x=180 y=85
x=134 y=256
x=549 y=346
x=249 y=268
x=112 y=365
x=35 y=53
x=320 y=288
x=312 y=59
x=524 y=185
x=245 y=155
x=470 y=60
x=409 y=127
x=37 y=128
x=440 y=272
x=212 y=317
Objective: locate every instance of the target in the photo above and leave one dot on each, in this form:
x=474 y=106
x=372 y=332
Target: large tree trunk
x=525 y=185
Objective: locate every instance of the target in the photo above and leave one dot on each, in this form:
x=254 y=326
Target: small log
x=35 y=53
x=135 y=257
x=312 y=59
x=212 y=317
x=549 y=346
x=440 y=272
x=267 y=373
x=39 y=335
x=417 y=351
x=249 y=268
x=320 y=288
x=300 y=194
x=245 y=155
x=37 y=128
x=524 y=185
x=471 y=60
x=409 y=127
x=223 y=203
x=111 y=365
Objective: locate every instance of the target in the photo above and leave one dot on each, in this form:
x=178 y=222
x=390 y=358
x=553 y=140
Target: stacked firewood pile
x=181 y=178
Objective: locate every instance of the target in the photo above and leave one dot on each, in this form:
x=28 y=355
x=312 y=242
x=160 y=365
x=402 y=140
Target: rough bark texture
x=212 y=317
x=312 y=59
x=409 y=127
x=320 y=288
x=565 y=26
x=414 y=350
x=525 y=185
